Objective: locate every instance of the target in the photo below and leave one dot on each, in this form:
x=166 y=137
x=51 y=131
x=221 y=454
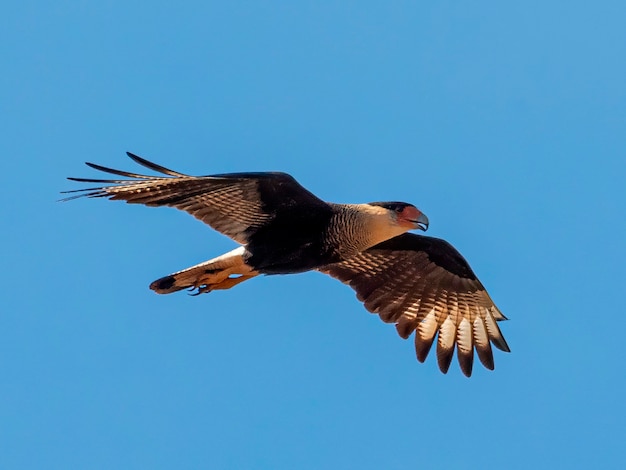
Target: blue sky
x=505 y=124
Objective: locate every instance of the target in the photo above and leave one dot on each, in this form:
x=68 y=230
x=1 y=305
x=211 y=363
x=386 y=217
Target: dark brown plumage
x=421 y=284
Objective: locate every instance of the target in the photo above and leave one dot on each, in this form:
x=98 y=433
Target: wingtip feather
x=466 y=362
x=153 y=166
x=465 y=347
x=495 y=335
x=482 y=344
x=446 y=341
x=501 y=344
x=425 y=335
x=405 y=326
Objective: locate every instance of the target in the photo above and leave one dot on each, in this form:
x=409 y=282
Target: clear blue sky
x=505 y=124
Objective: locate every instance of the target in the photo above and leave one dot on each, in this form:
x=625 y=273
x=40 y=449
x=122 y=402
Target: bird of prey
x=419 y=283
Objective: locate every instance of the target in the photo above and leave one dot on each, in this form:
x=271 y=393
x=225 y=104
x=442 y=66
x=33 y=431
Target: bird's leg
x=227 y=283
x=222 y=279
x=222 y=272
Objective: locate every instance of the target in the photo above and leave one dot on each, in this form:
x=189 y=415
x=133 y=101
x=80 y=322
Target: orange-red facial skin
x=408 y=217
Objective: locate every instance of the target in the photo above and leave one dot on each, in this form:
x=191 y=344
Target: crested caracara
x=419 y=283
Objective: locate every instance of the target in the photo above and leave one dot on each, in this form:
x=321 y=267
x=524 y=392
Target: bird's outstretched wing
x=235 y=204
x=423 y=284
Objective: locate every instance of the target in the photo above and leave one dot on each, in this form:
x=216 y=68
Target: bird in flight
x=421 y=284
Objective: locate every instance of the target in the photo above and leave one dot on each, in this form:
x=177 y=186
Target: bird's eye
x=399 y=209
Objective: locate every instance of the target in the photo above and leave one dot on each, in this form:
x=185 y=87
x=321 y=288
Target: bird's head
x=405 y=215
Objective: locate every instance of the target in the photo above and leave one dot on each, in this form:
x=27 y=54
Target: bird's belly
x=286 y=259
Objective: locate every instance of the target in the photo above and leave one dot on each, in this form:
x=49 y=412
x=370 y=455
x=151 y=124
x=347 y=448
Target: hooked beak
x=422 y=222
